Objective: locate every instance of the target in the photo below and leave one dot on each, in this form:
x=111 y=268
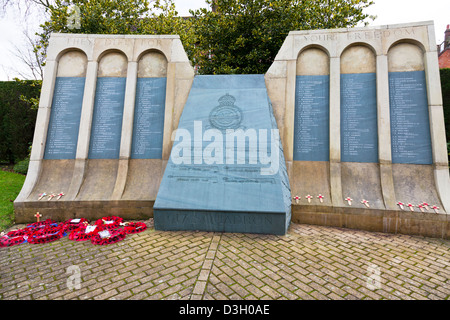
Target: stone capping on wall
x=418 y=32
x=280 y=81
x=180 y=74
x=335 y=41
x=94 y=45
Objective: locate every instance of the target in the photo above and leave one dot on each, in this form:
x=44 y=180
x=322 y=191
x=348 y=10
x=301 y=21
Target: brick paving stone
x=142 y=296
x=309 y=262
x=122 y=296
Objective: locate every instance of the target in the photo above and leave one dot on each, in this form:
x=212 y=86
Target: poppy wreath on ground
x=46 y=234
x=135 y=227
x=71 y=226
x=7 y=241
x=40 y=224
x=110 y=222
x=81 y=235
x=31 y=228
x=18 y=233
x=105 y=236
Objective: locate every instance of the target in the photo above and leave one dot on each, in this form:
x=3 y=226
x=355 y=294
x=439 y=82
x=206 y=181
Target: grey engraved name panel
x=359 y=129
x=64 y=124
x=312 y=115
x=220 y=183
x=410 y=124
x=148 y=127
x=106 y=128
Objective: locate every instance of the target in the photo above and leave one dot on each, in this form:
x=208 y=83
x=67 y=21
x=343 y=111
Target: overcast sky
x=387 y=12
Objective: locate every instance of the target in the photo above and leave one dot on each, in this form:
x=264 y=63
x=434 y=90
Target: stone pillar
x=127 y=130
x=40 y=132
x=384 y=133
x=289 y=116
x=335 y=131
x=437 y=127
x=45 y=106
x=85 y=130
x=169 y=108
x=128 y=111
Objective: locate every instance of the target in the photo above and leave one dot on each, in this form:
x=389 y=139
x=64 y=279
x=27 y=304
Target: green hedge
x=17 y=118
x=445 y=84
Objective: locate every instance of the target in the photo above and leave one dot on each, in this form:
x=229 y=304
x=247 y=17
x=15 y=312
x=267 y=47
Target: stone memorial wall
x=108 y=107
x=375 y=94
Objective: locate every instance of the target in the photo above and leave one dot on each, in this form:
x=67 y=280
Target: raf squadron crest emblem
x=226 y=115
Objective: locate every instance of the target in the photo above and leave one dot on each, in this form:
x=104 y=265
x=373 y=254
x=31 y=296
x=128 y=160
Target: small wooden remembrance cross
x=38 y=215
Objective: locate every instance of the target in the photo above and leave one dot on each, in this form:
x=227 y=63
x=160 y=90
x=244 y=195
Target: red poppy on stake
x=320 y=197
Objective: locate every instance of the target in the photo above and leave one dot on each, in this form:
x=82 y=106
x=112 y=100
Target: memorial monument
x=124 y=128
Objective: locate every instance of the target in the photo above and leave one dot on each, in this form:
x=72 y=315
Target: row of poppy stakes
x=321 y=197
x=50 y=196
x=422 y=206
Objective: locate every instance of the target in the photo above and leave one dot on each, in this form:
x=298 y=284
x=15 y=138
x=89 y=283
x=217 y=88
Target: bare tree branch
x=25 y=7
x=30 y=57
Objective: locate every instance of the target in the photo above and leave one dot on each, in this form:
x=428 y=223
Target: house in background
x=444 y=50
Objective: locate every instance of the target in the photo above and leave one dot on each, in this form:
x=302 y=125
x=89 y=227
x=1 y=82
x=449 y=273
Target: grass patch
x=10 y=186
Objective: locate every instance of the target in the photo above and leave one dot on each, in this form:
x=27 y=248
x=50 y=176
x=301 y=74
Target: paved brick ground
x=310 y=262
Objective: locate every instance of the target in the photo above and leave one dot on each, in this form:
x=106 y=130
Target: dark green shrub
x=17 y=118
x=445 y=85
x=22 y=166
